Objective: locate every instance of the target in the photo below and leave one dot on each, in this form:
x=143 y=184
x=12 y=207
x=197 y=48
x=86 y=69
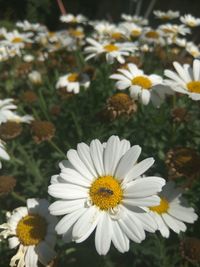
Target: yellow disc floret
x=106 y=192
x=31 y=229
x=73 y=77
x=17 y=40
x=111 y=47
x=194 y=87
x=162 y=207
x=152 y=35
x=142 y=81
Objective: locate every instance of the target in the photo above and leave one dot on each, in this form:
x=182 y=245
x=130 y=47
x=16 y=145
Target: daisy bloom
x=3 y=154
x=131 y=29
x=193 y=49
x=31 y=229
x=169 y=29
x=141 y=86
x=112 y=51
x=73 y=81
x=185 y=80
x=35 y=77
x=7 y=113
x=190 y=21
x=27 y=26
x=136 y=19
x=100 y=186
x=168 y=15
x=171 y=213
x=70 y=18
x=17 y=39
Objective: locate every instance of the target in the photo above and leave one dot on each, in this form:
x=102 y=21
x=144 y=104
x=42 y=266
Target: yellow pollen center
x=31 y=230
x=76 y=33
x=135 y=33
x=17 y=40
x=73 y=77
x=142 y=81
x=152 y=34
x=106 y=192
x=194 y=86
x=116 y=35
x=162 y=207
x=111 y=48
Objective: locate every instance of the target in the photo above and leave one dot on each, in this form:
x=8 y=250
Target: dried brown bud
x=29 y=97
x=179 y=115
x=190 y=249
x=10 y=130
x=42 y=131
x=7 y=184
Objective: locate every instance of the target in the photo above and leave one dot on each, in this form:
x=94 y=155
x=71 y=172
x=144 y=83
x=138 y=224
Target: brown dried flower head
x=190 y=249
x=179 y=114
x=23 y=69
x=183 y=161
x=10 y=130
x=29 y=97
x=119 y=104
x=64 y=95
x=7 y=184
x=42 y=131
x=55 y=110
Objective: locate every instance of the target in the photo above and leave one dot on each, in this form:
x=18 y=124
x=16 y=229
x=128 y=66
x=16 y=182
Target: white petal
x=73 y=177
x=13 y=242
x=103 y=234
x=32 y=205
x=127 y=162
x=78 y=164
x=183 y=74
x=162 y=227
x=139 y=169
x=182 y=213
x=142 y=202
x=31 y=257
x=85 y=224
x=119 y=238
x=67 y=191
x=196 y=70
x=84 y=154
x=96 y=151
x=68 y=220
x=147 y=221
x=144 y=187
x=173 y=223
x=64 y=207
x=145 y=97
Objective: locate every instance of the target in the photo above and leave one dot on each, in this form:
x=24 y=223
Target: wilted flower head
x=7 y=184
x=42 y=131
x=10 y=130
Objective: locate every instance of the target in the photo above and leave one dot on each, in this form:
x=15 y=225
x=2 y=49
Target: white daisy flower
x=172 y=211
x=7 y=113
x=135 y=19
x=100 y=186
x=169 y=29
x=141 y=86
x=35 y=77
x=31 y=228
x=131 y=29
x=70 y=18
x=167 y=15
x=185 y=80
x=17 y=39
x=190 y=21
x=105 y=30
x=193 y=49
x=27 y=26
x=73 y=81
x=112 y=51
x=152 y=36
x=3 y=154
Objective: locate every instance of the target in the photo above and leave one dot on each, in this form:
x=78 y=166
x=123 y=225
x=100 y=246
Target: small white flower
x=168 y=15
x=135 y=19
x=185 y=80
x=70 y=18
x=112 y=51
x=100 y=186
x=7 y=113
x=31 y=228
x=27 y=26
x=169 y=29
x=17 y=39
x=190 y=21
x=193 y=49
x=73 y=81
x=172 y=211
x=35 y=77
x=141 y=86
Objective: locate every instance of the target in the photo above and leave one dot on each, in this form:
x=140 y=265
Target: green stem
x=57 y=148
x=18 y=197
x=43 y=105
x=76 y=123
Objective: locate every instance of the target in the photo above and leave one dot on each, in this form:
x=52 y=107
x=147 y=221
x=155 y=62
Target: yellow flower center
x=116 y=35
x=76 y=33
x=194 y=87
x=142 y=81
x=135 y=33
x=111 y=48
x=152 y=35
x=162 y=207
x=31 y=229
x=106 y=192
x=73 y=77
x=17 y=40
